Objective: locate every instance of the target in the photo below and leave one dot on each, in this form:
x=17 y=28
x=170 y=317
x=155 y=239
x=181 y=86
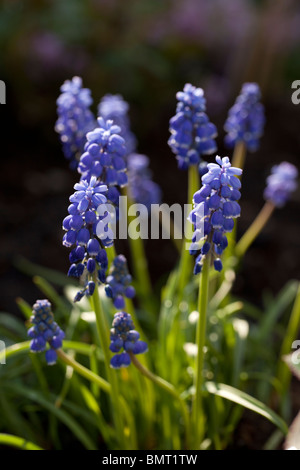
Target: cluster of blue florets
x=115 y=108
x=142 y=189
x=215 y=208
x=74 y=118
x=118 y=282
x=246 y=119
x=104 y=155
x=281 y=183
x=192 y=134
x=87 y=232
x=45 y=331
x=124 y=336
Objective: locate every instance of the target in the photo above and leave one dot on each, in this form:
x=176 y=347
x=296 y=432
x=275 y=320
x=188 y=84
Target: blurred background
x=145 y=50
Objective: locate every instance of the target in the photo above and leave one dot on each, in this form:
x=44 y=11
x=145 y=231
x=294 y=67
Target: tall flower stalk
x=75 y=119
x=244 y=127
x=192 y=136
x=280 y=184
x=213 y=216
x=103 y=332
x=87 y=235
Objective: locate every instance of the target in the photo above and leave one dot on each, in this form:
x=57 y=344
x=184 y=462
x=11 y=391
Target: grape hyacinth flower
x=215 y=208
x=118 y=282
x=192 y=134
x=281 y=183
x=124 y=336
x=104 y=155
x=142 y=189
x=246 y=119
x=74 y=118
x=115 y=108
x=87 y=233
x=45 y=330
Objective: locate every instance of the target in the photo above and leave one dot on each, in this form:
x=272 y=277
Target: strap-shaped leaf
x=19 y=442
x=245 y=400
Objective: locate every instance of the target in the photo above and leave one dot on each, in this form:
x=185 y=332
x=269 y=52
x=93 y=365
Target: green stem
x=103 y=332
x=185 y=265
x=197 y=408
x=111 y=254
x=254 y=229
x=139 y=260
x=238 y=161
x=284 y=373
x=130 y=309
x=239 y=155
x=18 y=442
x=103 y=385
x=84 y=372
x=169 y=388
x=168 y=225
x=140 y=267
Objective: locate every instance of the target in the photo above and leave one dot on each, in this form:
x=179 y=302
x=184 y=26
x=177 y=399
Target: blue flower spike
x=118 y=282
x=246 y=119
x=124 y=337
x=104 y=155
x=192 y=134
x=281 y=183
x=74 y=118
x=115 y=108
x=45 y=331
x=142 y=189
x=88 y=257
x=215 y=208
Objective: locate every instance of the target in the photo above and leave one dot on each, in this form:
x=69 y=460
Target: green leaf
x=80 y=348
x=24 y=307
x=33 y=269
x=12 y=324
x=19 y=442
x=52 y=295
x=11 y=414
x=15 y=349
x=63 y=416
x=276 y=309
x=245 y=400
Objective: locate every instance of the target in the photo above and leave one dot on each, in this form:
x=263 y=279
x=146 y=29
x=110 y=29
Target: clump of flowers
x=87 y=232
x=75 y=118
x=215 y=208
x=192 y=134
x=104 y=155
x=115 y=108
x=124 y=336
x=45 y=331
x=246 y=119
x=118 y=282
x=142 y=189
x=281 y=183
